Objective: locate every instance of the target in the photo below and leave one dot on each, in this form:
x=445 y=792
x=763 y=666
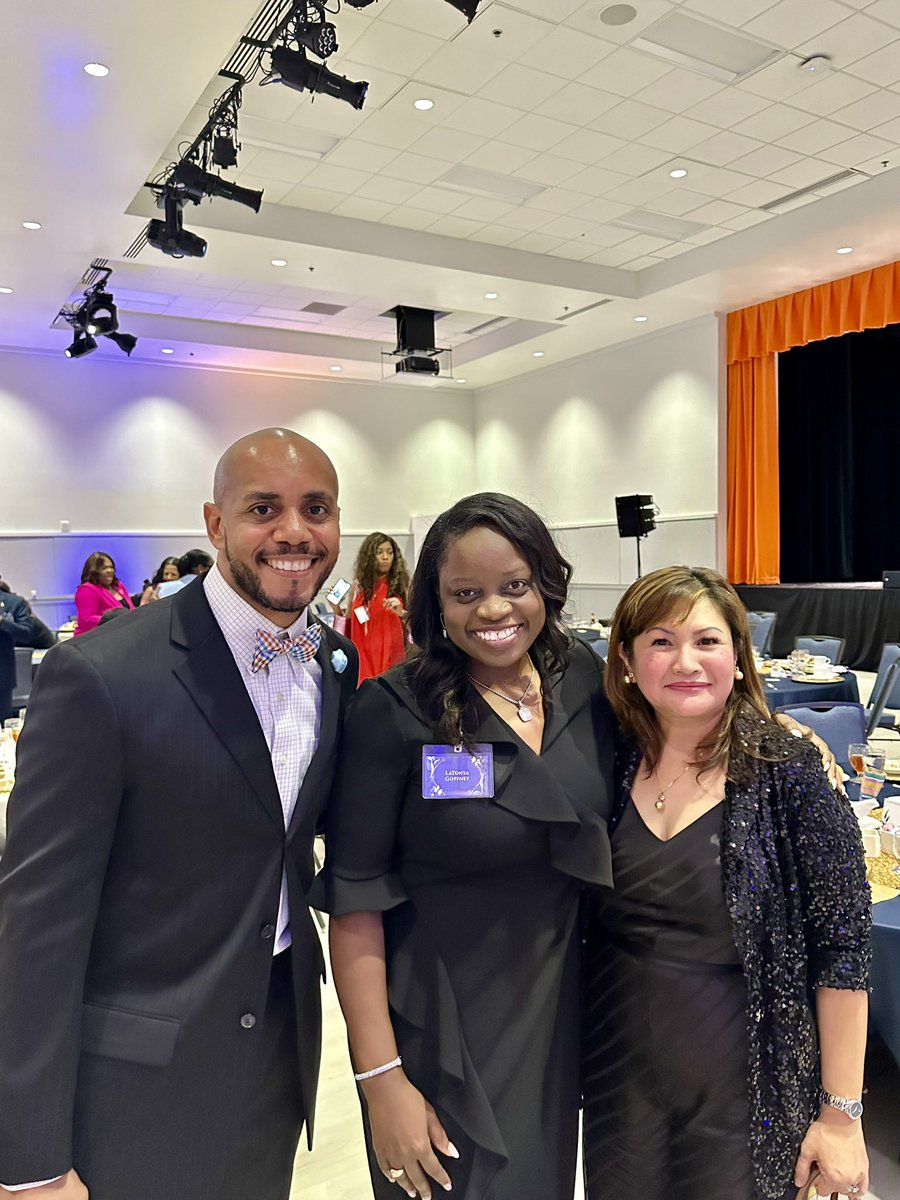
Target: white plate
x=815 y=679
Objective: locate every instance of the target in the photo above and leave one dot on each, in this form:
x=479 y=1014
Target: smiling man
x=159 y=966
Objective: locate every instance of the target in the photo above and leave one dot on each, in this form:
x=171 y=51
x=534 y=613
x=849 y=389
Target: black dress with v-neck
x=666 y=1059
x=480 y=902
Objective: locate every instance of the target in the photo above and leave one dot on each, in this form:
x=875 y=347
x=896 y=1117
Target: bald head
x=275 y=520
x=253 y=449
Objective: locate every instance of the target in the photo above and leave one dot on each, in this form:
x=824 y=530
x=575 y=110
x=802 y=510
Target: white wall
x=642 y=417
x=127 y=449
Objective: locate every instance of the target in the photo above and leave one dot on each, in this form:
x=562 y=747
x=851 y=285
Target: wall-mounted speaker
x=635 y=515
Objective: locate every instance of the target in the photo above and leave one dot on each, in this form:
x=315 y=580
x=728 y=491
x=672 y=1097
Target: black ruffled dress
x=480 y=901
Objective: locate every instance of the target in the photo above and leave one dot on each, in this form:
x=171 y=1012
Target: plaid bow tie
x=268 y=647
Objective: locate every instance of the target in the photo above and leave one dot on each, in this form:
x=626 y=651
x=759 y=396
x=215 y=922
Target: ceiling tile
x=831 y=93
x=415 y=168
x=885 y=10
x=560 y=200
x=596 y=181
x=882 y=67
x=548 y=168
x=804 y=172
x=636 y=159
x=362 y=209
x=726 y=108
x=484 y=209
x=858 y=150
x=409 y=218
x=678 y=134
x=730 y=12
x=578 y=103
x=750 y=218
x=852 y=39
x=814 y=138
x=391 y=191
x=709 y=235
x=625 y=72
x=455 y=226
x=285 y=168
x=716 y=212
x=536 y=243
x=761 y=191
x=275 y=191
x=766 y=161
x=453 y=145
x=568 y=227
x=316 y=199
x=780 y=80
x=363 y=156
x=498 y=156
x=614 y=257
x=773 y=122
x=439 y=200
x=520 y=32
x=560 y=10
x=873 y=110
x=639 y=192
x=542 y=133
x=484 y=116
x=588 y=146
x=496 y=235
x=336 y=179
x=641 y=263
x=795 y=21
x=674 y=250
x=587 y=19
x=719 y=181
x=520 y=86
x=395 y=48
x=678 y=90
x=601 y=210
x=676 y=203
x=630 y=119
x=398 y=130
x=442 y=22
x=890 y=132
x=566 y=52
x=723 y=148
x=577 y=250
x=607 y=235
x=458 y=67
x=524 y=218
x=644 y=243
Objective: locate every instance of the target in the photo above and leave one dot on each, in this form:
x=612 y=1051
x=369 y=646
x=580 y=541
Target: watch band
x=851 y=1108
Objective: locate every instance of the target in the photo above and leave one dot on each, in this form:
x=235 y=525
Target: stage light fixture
x=125 y=341
x=468 y=8
x=195 y=183
x=359 y=3
x=294 y=70
x=319 y=37
x=83 y=344
x=99 y=314
x=170 y=236
x=224 y=149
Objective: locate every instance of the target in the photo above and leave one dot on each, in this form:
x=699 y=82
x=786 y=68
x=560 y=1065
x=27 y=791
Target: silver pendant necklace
x=660 y=802
x=522 y=711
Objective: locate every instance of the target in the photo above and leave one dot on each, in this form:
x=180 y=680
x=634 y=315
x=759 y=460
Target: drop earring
x=738 y=673
x=443 y=626
x=629 y=678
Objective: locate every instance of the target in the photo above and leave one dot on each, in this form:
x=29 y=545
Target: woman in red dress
x=377 y=605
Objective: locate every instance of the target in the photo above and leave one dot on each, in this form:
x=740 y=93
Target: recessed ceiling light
x=460 y=379
x=537 y=354
x=678 y=173
x=640 y=320
x=167 y=350
x=492 y=295
x=279 y=262
x=844 y=250
x=31 y=224
x=6 y=291
x=423 y=105
x=98 y=70
x=335 y=368
x=618 y=14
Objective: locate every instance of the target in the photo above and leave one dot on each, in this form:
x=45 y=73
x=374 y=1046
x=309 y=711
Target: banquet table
x=885 y=977
x=786 y=691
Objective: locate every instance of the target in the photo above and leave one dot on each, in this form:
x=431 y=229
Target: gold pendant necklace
x=660 y=802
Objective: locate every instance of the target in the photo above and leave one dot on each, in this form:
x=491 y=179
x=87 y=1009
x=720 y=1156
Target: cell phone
x=338 y=592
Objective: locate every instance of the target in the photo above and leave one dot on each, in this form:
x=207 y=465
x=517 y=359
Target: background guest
x=727 y=971
x=98 y=591
x=14 y=614
x=376 y=605
x=165 y=573
x=191 y=565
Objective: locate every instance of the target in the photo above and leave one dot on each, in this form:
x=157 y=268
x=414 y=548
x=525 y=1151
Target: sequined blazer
x=794 y=879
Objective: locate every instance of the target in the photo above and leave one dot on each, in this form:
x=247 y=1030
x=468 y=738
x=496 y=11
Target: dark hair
x=93 y=565
x=191 y=560
x=438 y=671
x=747 y=731
x=157 y=579
x=4 y=586
x=366 y=569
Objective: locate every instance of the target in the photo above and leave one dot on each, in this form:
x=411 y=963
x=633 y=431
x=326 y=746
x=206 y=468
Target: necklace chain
x=660 y=802
x=522 y=712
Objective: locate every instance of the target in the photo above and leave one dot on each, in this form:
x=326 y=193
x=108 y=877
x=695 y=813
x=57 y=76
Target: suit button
x=248 y=1020
x=267 y=932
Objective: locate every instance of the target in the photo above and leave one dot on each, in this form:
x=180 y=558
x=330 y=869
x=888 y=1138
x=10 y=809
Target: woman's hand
x=405 y=1134
x=829 y=762
x=395 y=605
x=833 y=1157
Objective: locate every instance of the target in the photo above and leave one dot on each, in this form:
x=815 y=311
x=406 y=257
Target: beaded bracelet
x=396 y=1062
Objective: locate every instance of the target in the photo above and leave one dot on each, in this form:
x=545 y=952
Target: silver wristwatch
x=852 y=1108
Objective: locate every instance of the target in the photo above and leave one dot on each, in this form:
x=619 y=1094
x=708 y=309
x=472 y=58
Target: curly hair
x=747 y=730
x=438 y=670
x=366 y=569
x=93 y=565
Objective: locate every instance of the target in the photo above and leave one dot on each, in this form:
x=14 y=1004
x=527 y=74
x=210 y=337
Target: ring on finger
x=395 y=1173
x=853 y=1189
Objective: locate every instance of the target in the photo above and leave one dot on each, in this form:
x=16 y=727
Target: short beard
x=250 y=586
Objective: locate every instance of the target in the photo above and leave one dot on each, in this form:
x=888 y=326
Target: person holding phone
x=376 y=605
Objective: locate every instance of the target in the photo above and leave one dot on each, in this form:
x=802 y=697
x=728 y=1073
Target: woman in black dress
x=727 y=972
x=455 y=940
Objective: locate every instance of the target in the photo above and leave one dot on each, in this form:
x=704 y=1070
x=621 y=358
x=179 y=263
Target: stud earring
x=738 y=673
x=443 y=626
x=629 y=678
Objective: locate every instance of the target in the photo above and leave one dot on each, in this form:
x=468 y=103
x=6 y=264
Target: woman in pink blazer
x=98 y=591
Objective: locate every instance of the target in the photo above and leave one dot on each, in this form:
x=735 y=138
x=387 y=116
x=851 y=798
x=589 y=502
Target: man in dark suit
x=159 y=966
x=15 y=626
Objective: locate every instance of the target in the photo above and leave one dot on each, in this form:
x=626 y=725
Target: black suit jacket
x=137 y=898
x=14 y=624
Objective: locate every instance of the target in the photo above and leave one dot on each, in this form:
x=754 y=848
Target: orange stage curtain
x=869 y=300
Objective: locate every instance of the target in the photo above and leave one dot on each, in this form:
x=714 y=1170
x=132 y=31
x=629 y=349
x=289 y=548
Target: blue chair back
x=889 y=655
x=601 y=648
x=838 y=723
x=880 y=694
x=831 y=647
x=584 y=633
x=762 y=626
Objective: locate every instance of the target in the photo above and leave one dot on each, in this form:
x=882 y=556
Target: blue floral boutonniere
x=338 y=661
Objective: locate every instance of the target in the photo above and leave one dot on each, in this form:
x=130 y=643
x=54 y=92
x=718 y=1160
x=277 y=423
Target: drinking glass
x=855 y=752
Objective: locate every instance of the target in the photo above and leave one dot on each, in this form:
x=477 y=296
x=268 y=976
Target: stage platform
x=865 y=615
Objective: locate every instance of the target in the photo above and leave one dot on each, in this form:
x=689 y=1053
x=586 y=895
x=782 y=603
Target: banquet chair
x=22 y=689
x=881 y=693
x=584 y=633
x=814 y=643
x=762 y=627
x=601 y=648
x=837 y=722
x=889 y=655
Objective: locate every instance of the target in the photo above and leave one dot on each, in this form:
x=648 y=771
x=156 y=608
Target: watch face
x=855 y=1109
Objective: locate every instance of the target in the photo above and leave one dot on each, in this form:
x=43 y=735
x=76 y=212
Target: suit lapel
x=211 y=677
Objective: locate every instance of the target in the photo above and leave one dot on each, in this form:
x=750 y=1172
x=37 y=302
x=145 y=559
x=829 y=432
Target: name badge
x=362 y=614
x=454 y=773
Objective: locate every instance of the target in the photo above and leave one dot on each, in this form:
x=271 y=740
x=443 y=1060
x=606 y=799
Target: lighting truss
x=96 y=316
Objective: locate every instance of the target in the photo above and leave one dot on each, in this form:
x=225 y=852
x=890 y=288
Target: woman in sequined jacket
x=727 y=999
